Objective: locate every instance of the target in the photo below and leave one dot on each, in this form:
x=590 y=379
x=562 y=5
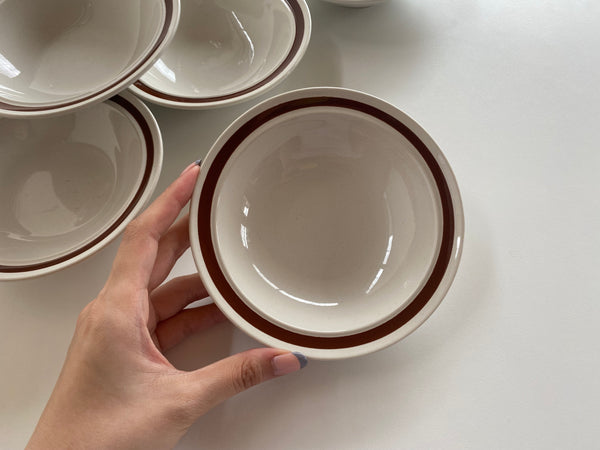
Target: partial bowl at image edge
x=147 y=131
x=100 y=92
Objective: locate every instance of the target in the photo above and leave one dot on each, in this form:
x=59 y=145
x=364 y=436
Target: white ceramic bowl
x=228 y=51
x=356 y=3
x=326 y=221
x=56 y=56
x=70 y=184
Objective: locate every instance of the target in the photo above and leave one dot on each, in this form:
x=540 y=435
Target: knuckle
x=88 y=318
x=133 y=229
x=182 y=412
x=186 y=398
x=94 y=320
x=140 y=229
x=249 y=374
x=84 y=314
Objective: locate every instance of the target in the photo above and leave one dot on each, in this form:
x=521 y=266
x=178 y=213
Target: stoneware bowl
x=70 y=184
x=356 y=3
x=326 y=221
x=57 y=56
x=228 y=51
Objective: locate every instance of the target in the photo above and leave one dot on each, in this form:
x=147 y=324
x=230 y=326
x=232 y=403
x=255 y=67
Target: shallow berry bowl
x=227 y=52
x=328 y=222
x=61 y=55
x=70 y=184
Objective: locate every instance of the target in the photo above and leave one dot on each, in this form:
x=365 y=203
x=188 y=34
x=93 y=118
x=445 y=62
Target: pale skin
x=116 y=389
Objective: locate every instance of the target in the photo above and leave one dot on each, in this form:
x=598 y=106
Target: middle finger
x=172 y=297
x=170 y=248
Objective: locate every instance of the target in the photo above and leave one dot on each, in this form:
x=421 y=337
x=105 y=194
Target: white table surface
x=511 y=359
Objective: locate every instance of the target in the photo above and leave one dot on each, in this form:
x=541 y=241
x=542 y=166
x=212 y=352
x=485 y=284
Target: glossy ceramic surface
x=60 y=55
x=326 y=210
x=326 y=220
x=70 y=184
x=229 y=51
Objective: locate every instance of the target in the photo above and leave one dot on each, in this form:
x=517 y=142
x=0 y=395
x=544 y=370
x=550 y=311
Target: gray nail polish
x=302 y=359
x=198 y=162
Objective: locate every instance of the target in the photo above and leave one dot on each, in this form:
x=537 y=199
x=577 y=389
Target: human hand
x=116 y=388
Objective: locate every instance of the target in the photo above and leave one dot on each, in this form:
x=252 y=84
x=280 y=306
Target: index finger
x=137 y=254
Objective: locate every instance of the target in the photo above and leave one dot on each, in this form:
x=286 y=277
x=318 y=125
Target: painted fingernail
x=301 y=358
x=194 y=164
x=288 y=363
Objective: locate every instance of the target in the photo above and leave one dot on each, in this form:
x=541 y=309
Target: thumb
x=215 y=383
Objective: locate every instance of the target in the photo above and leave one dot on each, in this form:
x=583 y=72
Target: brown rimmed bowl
x=326 y=221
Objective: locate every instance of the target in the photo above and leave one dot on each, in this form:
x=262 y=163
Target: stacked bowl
x=227 y=51
x=75 y=168
x=324 y=220
x=79 y=155
x=58 y=56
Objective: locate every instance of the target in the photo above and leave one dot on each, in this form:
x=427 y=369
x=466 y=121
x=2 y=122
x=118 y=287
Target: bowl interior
x=223 y=46
x=56 y=51
x=64 y=181
x=327 y=221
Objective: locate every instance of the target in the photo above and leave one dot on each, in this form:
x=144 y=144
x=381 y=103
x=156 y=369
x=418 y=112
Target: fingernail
x=288 y=363
x=303 y=359
x=195 y=163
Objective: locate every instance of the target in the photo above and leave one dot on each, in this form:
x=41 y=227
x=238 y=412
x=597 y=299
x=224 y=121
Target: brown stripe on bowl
x=300 y=27
x=150 y=150
x=318 y=342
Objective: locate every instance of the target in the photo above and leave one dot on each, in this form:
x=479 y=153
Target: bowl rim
x=148 y=125
x=300 y=43
x=170 y=22
x=337 y=347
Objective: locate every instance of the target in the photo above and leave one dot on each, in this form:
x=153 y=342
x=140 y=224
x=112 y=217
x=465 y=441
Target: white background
x=511 y=359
